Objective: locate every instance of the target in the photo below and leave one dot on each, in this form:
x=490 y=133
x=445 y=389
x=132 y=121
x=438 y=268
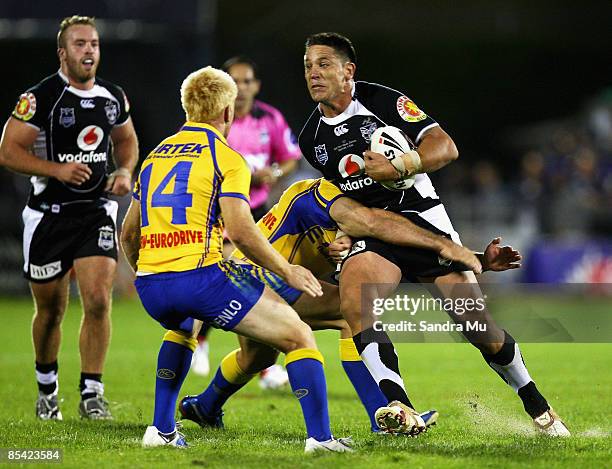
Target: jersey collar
x=201 y=127
x=67 y=81
x=63 y=77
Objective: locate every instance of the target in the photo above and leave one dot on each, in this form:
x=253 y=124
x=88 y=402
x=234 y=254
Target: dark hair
x=239 y=59
x=71 y=21
x=341 y=44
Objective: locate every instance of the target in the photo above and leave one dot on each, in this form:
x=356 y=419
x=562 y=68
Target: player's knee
x=489 y=348
x=300 y=336
x=351 y=311
x=50 y=315
x=97 y=305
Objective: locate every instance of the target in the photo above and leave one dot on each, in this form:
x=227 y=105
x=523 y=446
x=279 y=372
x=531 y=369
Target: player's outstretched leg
x=365 y=277
x=173 y=363
x=500 y=351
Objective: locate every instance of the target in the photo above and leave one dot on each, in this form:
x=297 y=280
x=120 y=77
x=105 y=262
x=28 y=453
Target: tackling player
x=191 y=186
x=335 y=140
x=302 y=227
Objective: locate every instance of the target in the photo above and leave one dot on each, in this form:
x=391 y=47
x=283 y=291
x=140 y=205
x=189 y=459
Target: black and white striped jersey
x=335 y=146
x=73 y=126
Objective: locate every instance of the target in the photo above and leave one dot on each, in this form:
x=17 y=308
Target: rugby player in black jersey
x=335 y=140
x=60 y=133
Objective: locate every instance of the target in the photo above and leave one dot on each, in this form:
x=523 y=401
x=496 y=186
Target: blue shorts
x=220 y=294
x=274 y=282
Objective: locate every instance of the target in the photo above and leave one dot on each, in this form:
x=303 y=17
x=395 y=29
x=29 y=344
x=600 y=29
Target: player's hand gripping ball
x=393 y=143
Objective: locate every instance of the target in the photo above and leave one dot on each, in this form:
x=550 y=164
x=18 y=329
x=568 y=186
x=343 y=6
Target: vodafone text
x=353 y=185
x=81 y=157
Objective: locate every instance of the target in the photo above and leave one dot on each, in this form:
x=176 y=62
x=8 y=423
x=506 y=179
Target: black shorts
x=415 y=262
x=51 y=242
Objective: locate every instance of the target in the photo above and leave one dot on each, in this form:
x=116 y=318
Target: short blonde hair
x=71 y=21
x=205 y=93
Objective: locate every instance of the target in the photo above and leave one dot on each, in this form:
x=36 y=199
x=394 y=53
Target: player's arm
x=436 y=150
x=125 y=152
x=130 y=234
x=357 y=220
x=17 y=140
x=246 y=236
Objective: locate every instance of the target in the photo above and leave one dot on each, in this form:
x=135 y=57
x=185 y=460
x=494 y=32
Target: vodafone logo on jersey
x=90 y=138
x=351 y=165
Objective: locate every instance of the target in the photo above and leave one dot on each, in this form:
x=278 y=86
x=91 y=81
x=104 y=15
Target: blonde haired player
x=191 y=187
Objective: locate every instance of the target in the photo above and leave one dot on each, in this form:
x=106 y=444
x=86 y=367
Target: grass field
x=482 y=423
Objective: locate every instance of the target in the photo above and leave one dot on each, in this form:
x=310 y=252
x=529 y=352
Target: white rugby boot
x=550 y=424
x=399 y=418
x=153 y=437
x=333 y=445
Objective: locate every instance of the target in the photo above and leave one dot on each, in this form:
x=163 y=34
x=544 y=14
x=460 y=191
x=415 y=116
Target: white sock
x=514 y=373
x=93 y=387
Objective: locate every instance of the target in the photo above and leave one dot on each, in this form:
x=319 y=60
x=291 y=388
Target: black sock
x=534 y=403
x=92 y=387
x=513 y=371
x=378 y=354
x=46 y=377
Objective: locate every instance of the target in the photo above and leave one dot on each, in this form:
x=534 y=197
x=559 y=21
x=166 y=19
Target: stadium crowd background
x=523 y=88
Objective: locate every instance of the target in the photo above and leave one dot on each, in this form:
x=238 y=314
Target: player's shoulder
x=223 y=150
x=48 y=87
x=37 y=100
x=310 y=127
x=323 y=190
x=366 y=91
x=112 y=88
x=302 y=186
x=327 y=190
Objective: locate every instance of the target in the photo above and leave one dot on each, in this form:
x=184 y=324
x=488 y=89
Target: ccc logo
x=340 y=130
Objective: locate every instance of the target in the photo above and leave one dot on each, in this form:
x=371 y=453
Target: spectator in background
x=493 y=203
x=261 y=134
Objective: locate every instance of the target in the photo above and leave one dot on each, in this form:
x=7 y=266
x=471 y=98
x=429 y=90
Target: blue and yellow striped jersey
x=299 y=225
x=179 y=187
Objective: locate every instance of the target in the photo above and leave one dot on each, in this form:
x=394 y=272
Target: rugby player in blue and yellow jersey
x=191 y=187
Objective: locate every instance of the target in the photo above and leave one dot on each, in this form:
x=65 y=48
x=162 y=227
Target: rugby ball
x=393 y=142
